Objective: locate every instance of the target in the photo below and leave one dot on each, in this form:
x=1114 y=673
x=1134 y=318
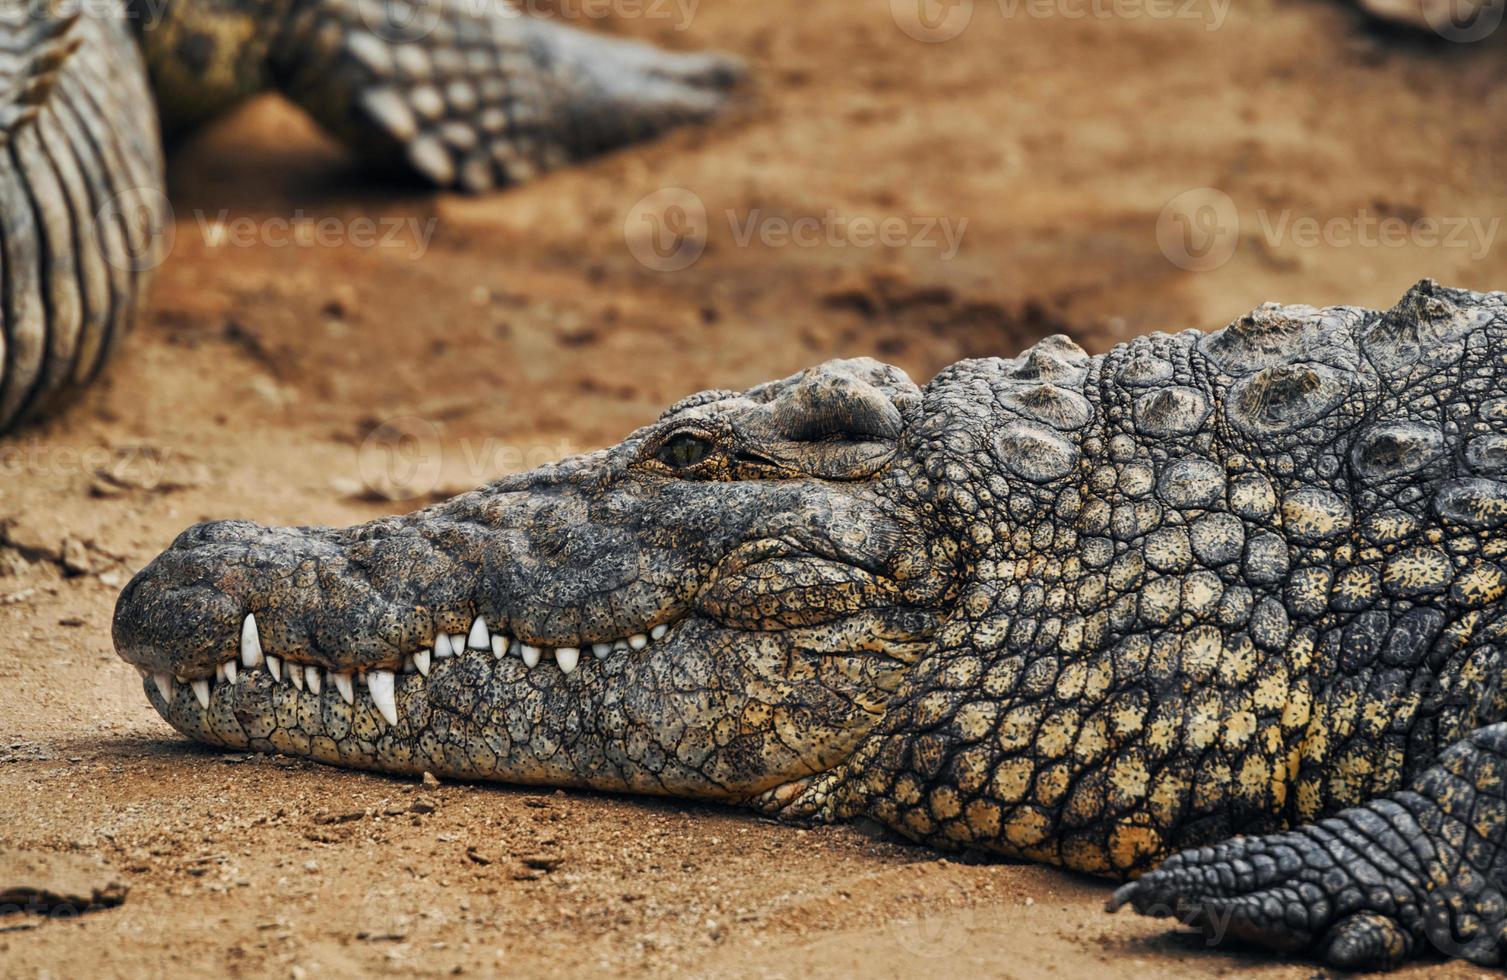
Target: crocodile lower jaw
x=379 y=682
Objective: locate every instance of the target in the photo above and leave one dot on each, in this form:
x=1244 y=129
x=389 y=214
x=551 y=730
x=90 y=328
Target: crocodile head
x=719 y=607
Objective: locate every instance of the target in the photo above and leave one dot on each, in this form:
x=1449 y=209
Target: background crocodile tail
x=81 y=205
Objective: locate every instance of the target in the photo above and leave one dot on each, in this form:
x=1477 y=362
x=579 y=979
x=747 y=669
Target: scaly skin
x=1106 y=613
x=474 y=97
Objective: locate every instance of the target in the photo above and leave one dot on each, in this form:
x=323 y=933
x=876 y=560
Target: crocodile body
x=1108 y=613
x=465 y=95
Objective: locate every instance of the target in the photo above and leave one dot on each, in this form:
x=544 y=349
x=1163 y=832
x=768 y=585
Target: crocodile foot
x=483 y=96
x=1368 y=887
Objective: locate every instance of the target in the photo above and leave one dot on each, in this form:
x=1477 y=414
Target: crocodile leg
x=1368 y=887
x=471 y=96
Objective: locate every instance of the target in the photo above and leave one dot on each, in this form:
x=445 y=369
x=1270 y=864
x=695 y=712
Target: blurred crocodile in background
x=465 y=95
x=1108 y=613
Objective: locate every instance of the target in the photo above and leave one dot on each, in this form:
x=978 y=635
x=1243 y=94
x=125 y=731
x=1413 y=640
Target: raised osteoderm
x=1103 y=612
x=466 y=95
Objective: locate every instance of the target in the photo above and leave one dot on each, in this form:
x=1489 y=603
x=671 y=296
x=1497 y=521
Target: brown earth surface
x=528 y=328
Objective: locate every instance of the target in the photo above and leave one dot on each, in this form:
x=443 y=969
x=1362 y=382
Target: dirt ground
x=297 y=381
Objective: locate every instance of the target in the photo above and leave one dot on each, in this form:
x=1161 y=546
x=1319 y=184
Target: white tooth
x=442 y=646
x=344 y=686
x=457 y=643
x=380 y=683
x=658 y=632
x=601 y=650
x=201 y=691
x=251 y=643
x=164 y=684
x=619 y=645
x=230 y=671
x=530 y=654
x=567 y=658
x=480 y=638
x=295 y=675
x=499 y=646
x=421 y=661
x=311 y=677
x=275 y=668
x=638 y=641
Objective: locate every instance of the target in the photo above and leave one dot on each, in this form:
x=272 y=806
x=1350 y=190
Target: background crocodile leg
x=473 y=96
x=1370 y=886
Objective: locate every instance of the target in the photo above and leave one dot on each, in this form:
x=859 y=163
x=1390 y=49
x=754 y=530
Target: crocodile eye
x=683 y=451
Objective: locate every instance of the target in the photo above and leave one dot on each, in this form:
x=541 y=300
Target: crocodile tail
x=34 y=45
x=81 y=204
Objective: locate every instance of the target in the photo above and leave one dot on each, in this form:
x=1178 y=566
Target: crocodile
x=464 y=95
x=1220 y=615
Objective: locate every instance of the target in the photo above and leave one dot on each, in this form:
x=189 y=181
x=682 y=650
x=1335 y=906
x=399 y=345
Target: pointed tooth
x=421 y=661
x=230 y=672
x=530 y=655
x=567 y=658
x=219 y=673
x=658 y=632
x=380 y=683
x=457 y=643
x=201 y=691
x=601 y=650
x=499 y=646
x=164 y=682
x=312 y=678
x=480 y=638
x=275 y=668
x=442 y=648
x=251 y=643
x=344 y=686
x=638 y=641
x=295 y=675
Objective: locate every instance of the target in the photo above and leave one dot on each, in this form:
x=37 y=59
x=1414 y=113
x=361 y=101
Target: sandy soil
x=528 y=328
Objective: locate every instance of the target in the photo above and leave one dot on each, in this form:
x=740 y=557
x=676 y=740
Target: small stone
x=429 y=781
x=421 y=806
